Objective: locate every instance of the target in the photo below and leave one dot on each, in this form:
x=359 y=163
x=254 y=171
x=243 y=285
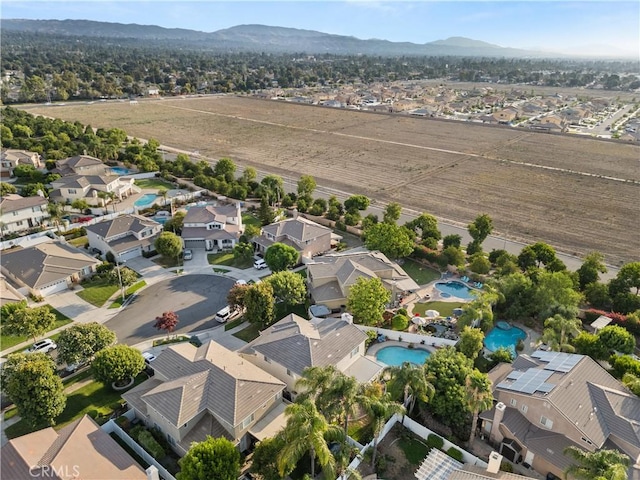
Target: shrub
x=520 y=345
x=151 y=445
x=104 y=267
x=435 y=441
x=456 y=454
x=506 y=467
x=372 y=336
x=399 y=322
x=340 y=225
x=149 y=254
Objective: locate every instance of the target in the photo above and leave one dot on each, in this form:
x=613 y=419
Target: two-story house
x=292 y=344
x=307 y=237
x=125 y=237
x=18 y=214
x=551 y=400
x=81 y=165
x=330 y=277
x=10 y=159
x=207 y=390
x=47 y=268
x=92 y=188
x=212 y=227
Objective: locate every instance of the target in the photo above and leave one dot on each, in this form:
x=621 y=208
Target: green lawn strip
x=167 y=262
x=95 y=399
x=227 y=259
x=248 y=334
x=234 y=324
x=152 y=183
x=249 y=219
x=8 y=341
x=97 y=292
x=78 y=242
x=445 y=308
x=413 y=449
x=128 y=292
x=169 y=341
x=283 y=310
x=220 y=270
x=421 y=274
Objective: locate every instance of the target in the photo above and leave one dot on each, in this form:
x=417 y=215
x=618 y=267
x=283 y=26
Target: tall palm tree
x=308 y=431
x=409 y=382
x=556 y=331
x=347 y=394
x=55 y=210
x=479 y=397
x=380 y=409
x=598 y=465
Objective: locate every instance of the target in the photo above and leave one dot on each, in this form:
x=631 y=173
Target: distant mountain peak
x=464 y=42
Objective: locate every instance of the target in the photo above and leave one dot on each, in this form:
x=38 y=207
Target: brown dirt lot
x=536 y=186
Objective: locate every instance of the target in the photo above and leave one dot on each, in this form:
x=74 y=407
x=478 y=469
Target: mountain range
x=262 y=38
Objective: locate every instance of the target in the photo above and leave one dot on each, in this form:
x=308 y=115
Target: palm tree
x=347 y=395
x=409 y=382
x=479 y=397
x=380 y=409
x=598 y=465
x=314 y=384
x=557 y=328
x=308 y=431
x=55 y=211
x=163 y=192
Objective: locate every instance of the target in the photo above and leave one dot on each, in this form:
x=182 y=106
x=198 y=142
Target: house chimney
x=152 y=473
x=495 y=459
x=347 y=317
x=495 y=435
x=295 y=213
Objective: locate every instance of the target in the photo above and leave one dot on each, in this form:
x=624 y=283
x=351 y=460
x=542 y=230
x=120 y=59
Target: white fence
x=409 y=337
x=29 y=240
x=112 y=426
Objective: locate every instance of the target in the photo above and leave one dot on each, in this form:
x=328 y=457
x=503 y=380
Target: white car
x=148 y=357
x=241 y=282
x=187 y=255
x=259 y=264
x=44 y=346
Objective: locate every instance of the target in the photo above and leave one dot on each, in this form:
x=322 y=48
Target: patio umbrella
x=432 y=313
x=419 y=320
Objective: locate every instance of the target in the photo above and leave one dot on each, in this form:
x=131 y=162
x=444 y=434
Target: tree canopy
x=390 y=239
x=29 y=322
x=82 y=341
x=169 y=245
x=117 y=363
x=288 y=287
x=367 y=300
x=213 y=458
x=279 y=257
x=259 y=304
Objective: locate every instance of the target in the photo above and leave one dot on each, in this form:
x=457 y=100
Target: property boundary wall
x=407 y=337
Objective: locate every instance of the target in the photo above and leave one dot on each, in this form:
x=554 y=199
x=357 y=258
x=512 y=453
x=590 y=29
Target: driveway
x=195 y=298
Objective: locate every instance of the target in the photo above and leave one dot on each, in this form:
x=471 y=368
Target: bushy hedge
x=151 y=445
x=456 y=454
x=435 y=441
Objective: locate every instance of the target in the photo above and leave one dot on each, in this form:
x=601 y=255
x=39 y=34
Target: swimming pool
x=504 y=335
x=145 y=200
x=455 y=289
x=394 y=356
x=120 y=170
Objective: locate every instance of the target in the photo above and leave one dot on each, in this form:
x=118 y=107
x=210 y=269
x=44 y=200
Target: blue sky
x=597 y=27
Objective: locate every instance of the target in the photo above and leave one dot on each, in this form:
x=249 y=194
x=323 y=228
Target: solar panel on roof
x=531 y=381
x=558 y=361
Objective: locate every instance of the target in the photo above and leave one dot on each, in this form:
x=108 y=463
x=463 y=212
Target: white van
x=223 y=315
x=259 y=264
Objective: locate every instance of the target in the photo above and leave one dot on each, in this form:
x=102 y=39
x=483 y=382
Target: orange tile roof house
x=551 y=400
x=80 y=450
x=203 y=391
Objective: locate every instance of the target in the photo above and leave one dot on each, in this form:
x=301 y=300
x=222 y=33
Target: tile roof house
x=78 y=450
x=330 y=277
x=213 y=227
x=292 y=344
x=125 y=237
x=47 y=268
x=551 y=400
x=10 y=159
x=18 y=214
x=307 y=237
x=202 y=391
x=81 y=165
x=88 y=187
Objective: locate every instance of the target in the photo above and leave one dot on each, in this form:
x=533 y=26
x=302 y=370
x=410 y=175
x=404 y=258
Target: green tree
x=392 y=213
x=479 y=264
x=225 y=168
x=589 y=344
x=307 y=431
x=426 y=226
x=629 y=274
x=501 y=355
x=599 y=465
x=557 y=331
x=480 y=229
x=453 y=240
x=56 y=211
x=306 y=185
x=265 y=214
x=288 y=287
x=251 y=231
x=30 y=381
x=236 y=296
x=617 y=338
x=249 y=174
x=590 y=270
x=260 y=304
x=553 y=291
x=175 y=223
x=243 y=252
x=29 y=322
x=536 y=255
x=213 y=458
x=117 y=363
x=392 y=240
x=7 y=188
x=356 y=202
x=265 y=458
x=169 y=245
x=409 y=383
x=454 y=256
x=625 y=287
x=127 y=276
x=479 y=397
x=369 y=221
x=315 y=384
x=82 y=341
x=380 y=409
x=367 y=300
x=279 y=257
x=471 y=342
x=632 y=382
x=273 y=187
x=80 y=204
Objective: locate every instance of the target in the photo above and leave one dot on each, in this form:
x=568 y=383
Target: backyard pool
x=394 y=356
x=120 y=170
x=145 y=200
x=454 y=289
x=504 y=335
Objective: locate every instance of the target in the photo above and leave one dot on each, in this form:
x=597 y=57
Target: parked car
x=44 y=346
x=241 y=282
x=148 y=357
x=76 y=366
x=259 y=264
x=187 y=255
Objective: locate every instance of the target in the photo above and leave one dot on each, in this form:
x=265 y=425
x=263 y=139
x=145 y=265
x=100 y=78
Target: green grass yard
x=98 y=291
x=79 y=242
x=249 y=219
x=421 y=274
x=227 y=259
x=248 y=334
x=8 y=341
x=414 y=450
x=445 y=308
x=154 y=183
x=128 y=292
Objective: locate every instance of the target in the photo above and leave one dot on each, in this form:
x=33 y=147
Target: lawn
x=167 y=262
x=79 y=242
x=227 y=259
x=249 y=219
x=283 y=310
x=98 y=291
x=234 y=324
x=128 y=292
x=154 y=183
x=414 y=450
x=8 y=341
x=249 y=333
x=421 y=274
x=95 y=399
x=445 y=308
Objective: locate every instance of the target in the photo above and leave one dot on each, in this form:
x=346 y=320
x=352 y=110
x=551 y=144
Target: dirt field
x=578 y=194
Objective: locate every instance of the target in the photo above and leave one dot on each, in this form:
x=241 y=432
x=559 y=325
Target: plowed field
x=578 y=194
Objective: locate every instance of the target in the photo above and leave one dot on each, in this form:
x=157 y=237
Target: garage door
x=130 y=254
x=194 y=244
x=53 y=288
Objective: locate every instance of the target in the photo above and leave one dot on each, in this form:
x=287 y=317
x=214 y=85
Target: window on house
x=354 y=352
x=72 y=191
x=513 y=402
x=546 y=422
x=15 y=214
x=19 y=224
x=170 y=439
x=247 y=421
x=524 y=408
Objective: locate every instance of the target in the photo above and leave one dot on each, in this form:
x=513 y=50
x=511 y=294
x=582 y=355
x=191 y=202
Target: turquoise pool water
x=394 y=356
x=120 y=170
x=455 y=289
x=500 y=336
x=145 y=200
